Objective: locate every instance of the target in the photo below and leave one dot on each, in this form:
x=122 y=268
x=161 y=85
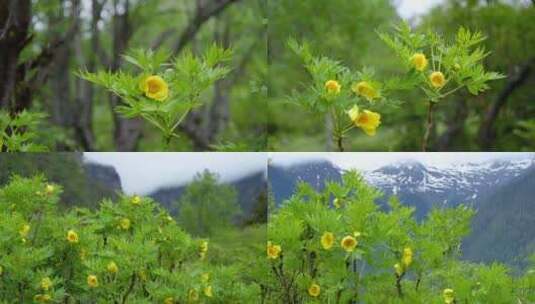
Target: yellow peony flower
x=208 y=291
x=333 y=87
x=406 y=259
x=438 y=80
x=168 y=300
x=314 y=290
x=125 y=224
x=155 y=88
x=337 y=203
x=273 y=251
x=366 y=90
x=24 y=230
x=92 y=281
x=368 y=121
x=112 y=267
x=327 y=240
x=349 y=243
x=204 y=246
x=46 y=283
x=398 y=269
x=136 y=200
x=49 y=189
x=448 y=295
x=42 y=298
x=419 y=61
x=72 y=237
x=193 y=295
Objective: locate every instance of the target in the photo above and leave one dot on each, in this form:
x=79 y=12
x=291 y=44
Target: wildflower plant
x=354 y=99
x=163 y=90
x=19 y=133
x=440 y=68
x=90 y=256
x=351 y=99
x=339 y=245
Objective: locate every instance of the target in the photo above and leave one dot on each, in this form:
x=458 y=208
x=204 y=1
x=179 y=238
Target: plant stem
x=429 y=126
x=340 y=143
x=167 y=142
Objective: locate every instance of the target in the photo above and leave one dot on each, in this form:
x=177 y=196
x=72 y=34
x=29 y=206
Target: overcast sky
x=411 y=8
x=372 y=161
x=142 y=173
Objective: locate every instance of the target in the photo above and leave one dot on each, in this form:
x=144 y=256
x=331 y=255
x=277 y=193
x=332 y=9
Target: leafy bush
x=160 y=92
x=339 y=246
x=130 y=251
x=352 y=99
x=19 y=133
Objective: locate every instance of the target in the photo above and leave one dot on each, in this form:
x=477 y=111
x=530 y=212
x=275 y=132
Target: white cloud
x=145 y=172
x=412 y=8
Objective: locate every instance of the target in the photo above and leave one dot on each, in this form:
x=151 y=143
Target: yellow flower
x=333 y=87
x=46 y=283
x=349 y=243
x=112 y=267
x=72 y=237
x=437 y=79
x=419 y=61
x=168 y=300
x=448 y=295
x=406 y=259
x=42 y=298
x=398 y=269
x=24 y=230
x=205 y=277
x=204 y=246
x=92 y=281
x=208 y=291
x=365 y=89
x=314 y=290
x=368 y=121
x=327 y=240
x=193 y=295
x=49 y=189
x=155 y=88
x=142 y=275
x=136 y=200
x=125 y=224
x=273 y=251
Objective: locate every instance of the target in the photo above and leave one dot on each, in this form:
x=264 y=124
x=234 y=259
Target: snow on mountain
x=458 y=183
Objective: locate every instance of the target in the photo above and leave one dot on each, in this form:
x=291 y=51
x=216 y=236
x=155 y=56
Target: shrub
x=130 y=251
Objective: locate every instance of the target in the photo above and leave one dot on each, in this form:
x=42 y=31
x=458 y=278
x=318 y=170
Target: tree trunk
x=15 y=18
x=487 y=133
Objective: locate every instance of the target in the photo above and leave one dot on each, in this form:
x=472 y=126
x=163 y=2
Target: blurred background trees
x=43 y=42
x=499 y=120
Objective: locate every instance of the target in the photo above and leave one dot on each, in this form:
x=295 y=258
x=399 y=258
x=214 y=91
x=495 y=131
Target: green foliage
x=207 y=206
x=460 y=61
x=393 y=259
x=164 y=101
x=130 y=251
x=19 y=133
x=430 y=64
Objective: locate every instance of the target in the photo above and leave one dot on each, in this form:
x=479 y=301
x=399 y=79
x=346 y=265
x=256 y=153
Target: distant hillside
x=505 y=222
x=84 y=184
x=282 y=180
x=250 y=189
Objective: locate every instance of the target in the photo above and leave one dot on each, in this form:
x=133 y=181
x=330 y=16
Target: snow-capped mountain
x=452 y=185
